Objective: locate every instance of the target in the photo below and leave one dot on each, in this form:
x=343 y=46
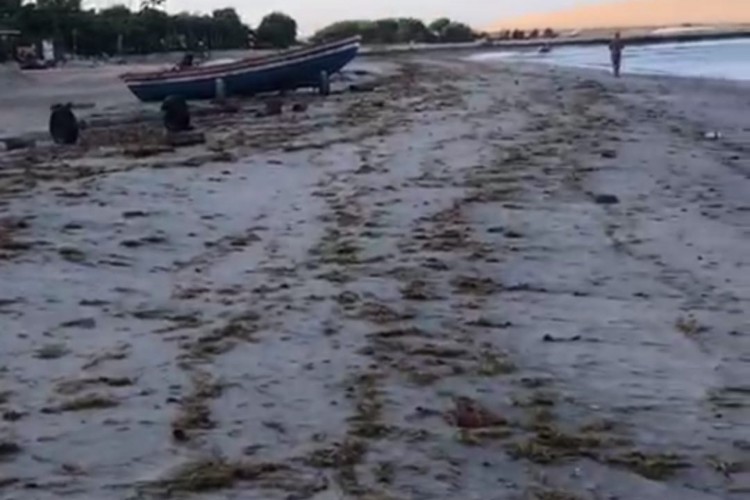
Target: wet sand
x=479 y=281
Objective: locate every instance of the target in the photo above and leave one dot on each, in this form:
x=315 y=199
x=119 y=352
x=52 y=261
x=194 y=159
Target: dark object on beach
x=186 y=61
x=362 y=87
x=8 y=448
x=470 y=414
x=187 y=138
x=179 y=435
x=12 y=416
x=299 y=107
x=274 y=107
x=63 y=125
x=550 y=338
x=606 y=199
x=176 y=114
x=545 y=49
x=12 y=143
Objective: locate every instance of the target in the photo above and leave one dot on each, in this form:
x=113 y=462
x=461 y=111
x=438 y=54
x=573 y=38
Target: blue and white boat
x=287 y=70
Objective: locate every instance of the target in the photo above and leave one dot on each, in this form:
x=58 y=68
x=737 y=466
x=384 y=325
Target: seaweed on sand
x=212 y=474
x=350 y=452
x=91 y=401
x=223 y=339
x=51 y=351
x=690 y=326
x=475 y=285
x=491 y=363
x=74 y=386
x=656 y=466
x=553 y=494
x=195 y=412
x=417 y=290
x=550 y=445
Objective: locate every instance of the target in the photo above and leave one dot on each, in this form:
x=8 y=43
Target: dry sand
x=411 y=293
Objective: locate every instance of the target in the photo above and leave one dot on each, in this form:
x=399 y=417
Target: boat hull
x=295 y=69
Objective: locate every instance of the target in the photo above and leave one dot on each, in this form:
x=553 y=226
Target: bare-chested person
x=615 y=51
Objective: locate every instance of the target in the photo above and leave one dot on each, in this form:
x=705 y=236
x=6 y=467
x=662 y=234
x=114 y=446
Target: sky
x=314 y=14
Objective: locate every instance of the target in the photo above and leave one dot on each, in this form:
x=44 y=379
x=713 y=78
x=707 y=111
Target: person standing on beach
x=615 y=52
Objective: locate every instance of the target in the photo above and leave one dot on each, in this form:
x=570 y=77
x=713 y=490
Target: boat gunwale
x=255 y=63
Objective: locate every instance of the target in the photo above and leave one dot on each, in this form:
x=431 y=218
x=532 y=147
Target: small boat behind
x=287 y=70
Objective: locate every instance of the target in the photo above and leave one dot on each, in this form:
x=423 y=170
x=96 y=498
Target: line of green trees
x=399 y=30
x=119 y=30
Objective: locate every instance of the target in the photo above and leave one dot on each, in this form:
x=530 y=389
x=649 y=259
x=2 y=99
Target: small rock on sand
x=51 y=351
x=551 y=338
x=87 y=323
x=71 y=254
x=470 y=414
x=12 y=416
x=132 y=214
x=179 y=435
x=606 y=199
x=9 y=448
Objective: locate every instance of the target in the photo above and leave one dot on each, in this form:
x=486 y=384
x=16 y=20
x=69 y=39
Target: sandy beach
x=480 y=281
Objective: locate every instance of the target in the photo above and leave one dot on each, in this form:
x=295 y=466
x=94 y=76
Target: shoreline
x=640 y=61
x=644 y=39
x=478 y=280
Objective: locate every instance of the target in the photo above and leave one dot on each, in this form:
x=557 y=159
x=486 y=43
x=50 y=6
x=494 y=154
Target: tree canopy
x=277 y=30
x=398 y=30
x=117 y=29
x=448 y=31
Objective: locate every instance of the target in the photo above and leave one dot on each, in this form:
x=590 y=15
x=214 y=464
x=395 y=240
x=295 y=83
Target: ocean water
x=726 y=59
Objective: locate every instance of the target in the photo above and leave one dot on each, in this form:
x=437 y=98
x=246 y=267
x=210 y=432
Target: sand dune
x=636 y=13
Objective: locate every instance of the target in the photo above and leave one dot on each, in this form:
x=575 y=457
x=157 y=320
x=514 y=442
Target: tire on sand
x=176 y=114
x=63 y=124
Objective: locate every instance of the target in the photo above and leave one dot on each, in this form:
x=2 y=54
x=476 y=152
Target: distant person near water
x=615 y=52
